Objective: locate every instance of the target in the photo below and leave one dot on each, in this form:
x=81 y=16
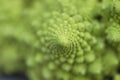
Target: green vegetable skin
x=60 y=39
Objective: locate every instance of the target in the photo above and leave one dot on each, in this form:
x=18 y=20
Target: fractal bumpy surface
x=60 y=39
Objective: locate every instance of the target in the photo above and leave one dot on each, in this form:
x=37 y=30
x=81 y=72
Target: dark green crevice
x=100 y=0
x=98 y=18
x=118 y=70
x=108 y=78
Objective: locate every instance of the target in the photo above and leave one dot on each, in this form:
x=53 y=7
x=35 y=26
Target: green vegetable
x=60 y=39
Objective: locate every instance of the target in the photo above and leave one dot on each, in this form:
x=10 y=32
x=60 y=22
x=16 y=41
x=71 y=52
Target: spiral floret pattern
x=62 y=38
x=68 y=44
x=113 y=30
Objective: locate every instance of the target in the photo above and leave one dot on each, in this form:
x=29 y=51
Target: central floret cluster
x=68 y=43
